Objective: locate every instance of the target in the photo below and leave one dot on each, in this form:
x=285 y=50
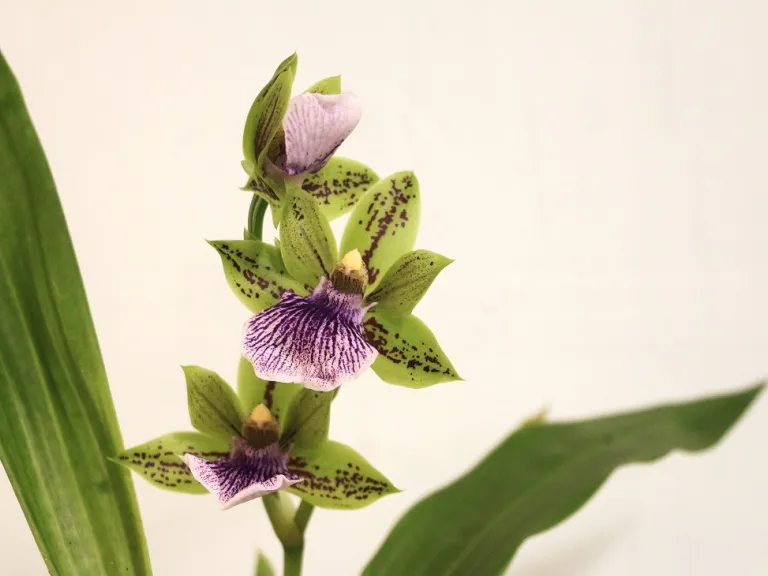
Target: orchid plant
x=321 y=313
x=319 y=319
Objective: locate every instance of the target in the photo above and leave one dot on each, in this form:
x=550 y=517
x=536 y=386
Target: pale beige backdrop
x=596 y=168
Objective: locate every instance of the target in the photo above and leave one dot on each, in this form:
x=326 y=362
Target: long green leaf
x=538 y=477
x=57 y=420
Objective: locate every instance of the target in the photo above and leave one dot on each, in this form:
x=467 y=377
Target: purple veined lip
x=314 y=126
x=317 y=340
x=248 y=473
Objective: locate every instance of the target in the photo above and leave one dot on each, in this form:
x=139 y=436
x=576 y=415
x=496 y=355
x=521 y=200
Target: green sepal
x=252 y=390
x=214 y=408
x=407 y=281
x=255 y=272
x=541 y=475
x=159 y=460
x=409 y=354
x=339 y=185
x=266 y=114
x=308 y=419
x=307 y=244
x=384 y=224
x=328 y=86
x=337 y=477
x=273 y=190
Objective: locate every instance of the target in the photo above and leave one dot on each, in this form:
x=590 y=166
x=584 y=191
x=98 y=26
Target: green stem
x=303 y=514
x=292 y=561
x=281 y=511
x=289 y=524
x=256 y=216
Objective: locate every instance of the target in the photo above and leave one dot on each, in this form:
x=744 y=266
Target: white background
x=596 y=168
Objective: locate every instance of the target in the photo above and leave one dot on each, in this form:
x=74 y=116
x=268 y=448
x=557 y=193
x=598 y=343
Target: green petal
x=337 y=477
x=266 y=113
x=255 y=272
x=331 y=85
x=57 y=417
x=252 y=390
x=384 y=223
x=409 y=354
x=159 y=461
x=540 y=476
x=339 y=185
x=214 y=408
x=308 y=419
x=407 y=281
x=306 y=241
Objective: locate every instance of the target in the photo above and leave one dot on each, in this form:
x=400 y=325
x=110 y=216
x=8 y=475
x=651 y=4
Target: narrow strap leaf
x=57 y=419
x=537 y=478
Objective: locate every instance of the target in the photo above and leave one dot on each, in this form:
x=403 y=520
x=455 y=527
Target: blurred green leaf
x=536 y=479
x=339 y=185
x=277 y=396
x=57 y=420
x=214 y=408
x=264 y=566
x=308 y=419
x=407 y=281
x=306 y=240
x=409 y=354
x=159 y=460
x=337 y=477
x=328 y=86
x=385 y=223
x=255 y=272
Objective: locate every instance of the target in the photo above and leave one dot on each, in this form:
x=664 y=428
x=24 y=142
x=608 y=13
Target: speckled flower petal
x=317 y=341
x=315 y=125
x=245 y=476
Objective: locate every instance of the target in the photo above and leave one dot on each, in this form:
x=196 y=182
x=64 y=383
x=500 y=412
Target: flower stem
x=292 y=558
x=256 y=216
x=289 y=524
x=303 y=514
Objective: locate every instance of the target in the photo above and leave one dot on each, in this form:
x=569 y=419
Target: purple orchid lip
x=248 y=473
x=315 y=125
x=317 y=341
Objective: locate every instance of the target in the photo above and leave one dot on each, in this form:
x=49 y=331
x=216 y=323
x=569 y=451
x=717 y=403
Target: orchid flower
x=250 y=445
x=288 y=141
x=255 y=465
x=321 y=321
